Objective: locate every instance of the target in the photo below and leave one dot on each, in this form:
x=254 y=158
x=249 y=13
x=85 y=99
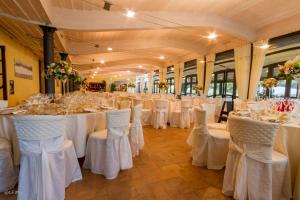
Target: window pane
x=188 y=89
x=194 y=79
x=229 y=88
x=188 y=79
x=230 y=76
x=211 y=89
x=264 y=73
x=220 y=77
x=218 y=89
x=293 y=89
x=279 y=91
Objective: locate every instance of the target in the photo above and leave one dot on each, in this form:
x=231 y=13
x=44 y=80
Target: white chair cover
x=252 y=163
x=181 y=118
x=125 y=104
x=160 y=113
x=210 y=111
x=136 y=131
x=44 y=161
x=209 y=147
x=147 y=112
x=108 y=151
x=8 y=174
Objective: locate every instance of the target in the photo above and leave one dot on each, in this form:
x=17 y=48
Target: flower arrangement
x=284 y=106
x=270 y=82
x=131 y=85
x=163 y=85
x=290 y=70
x=197 y=88
x=61 y=71
x=145 y=89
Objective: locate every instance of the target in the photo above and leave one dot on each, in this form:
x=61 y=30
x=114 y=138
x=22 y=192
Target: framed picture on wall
x=22 y=70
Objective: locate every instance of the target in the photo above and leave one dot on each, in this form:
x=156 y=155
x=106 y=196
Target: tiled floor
x=162 y=171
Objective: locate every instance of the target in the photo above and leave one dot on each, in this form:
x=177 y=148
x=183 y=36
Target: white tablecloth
x=78 y=126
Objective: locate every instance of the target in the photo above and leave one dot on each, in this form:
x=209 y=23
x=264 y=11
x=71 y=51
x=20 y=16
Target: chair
x=160 y=113
x=125 y=104
x=209 y=146
x=253 y=169
x=181 y=118
x=147 y=112
x=108 y=151
x=8 y=174
x=48 y=162
x=136 y=135
x=210 y=110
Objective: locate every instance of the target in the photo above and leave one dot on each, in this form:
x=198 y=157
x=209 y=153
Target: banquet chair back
x=41 y=140
x=160 y=113
x=136 y=131
x=125 y=104
x=185 y=116
x=210 y=109
x=251 y=160
x=137 y=102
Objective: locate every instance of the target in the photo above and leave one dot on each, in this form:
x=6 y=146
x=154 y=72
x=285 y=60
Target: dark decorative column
x=48 y=42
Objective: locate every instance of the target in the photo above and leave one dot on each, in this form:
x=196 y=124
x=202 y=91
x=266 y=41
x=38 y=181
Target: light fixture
x=162 y=57
x=102 y=61
x=212 y=36
x=140 y=66
x=201 y=61
x=264 y=46
x=128 y=71
x=109 y=49
x=130 y=14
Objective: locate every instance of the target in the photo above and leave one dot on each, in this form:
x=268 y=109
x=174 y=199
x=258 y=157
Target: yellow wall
x=23 y=87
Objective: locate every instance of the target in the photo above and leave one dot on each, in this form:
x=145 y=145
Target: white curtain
x=142 y=83
x=200 y=71
x=150 y=82
x=162 y=74
x=258 y=60
x=242 y=56
x=210 y=62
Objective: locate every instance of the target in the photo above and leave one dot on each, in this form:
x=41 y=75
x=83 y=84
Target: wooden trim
x=251 y=61
x=4 y=79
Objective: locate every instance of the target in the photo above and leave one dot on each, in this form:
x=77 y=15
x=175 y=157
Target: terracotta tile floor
x=162 y=171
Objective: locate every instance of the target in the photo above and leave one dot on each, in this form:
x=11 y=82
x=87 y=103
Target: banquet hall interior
x=149 y=99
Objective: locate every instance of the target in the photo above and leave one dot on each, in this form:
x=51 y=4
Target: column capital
x=48 y=29
x=63 y=55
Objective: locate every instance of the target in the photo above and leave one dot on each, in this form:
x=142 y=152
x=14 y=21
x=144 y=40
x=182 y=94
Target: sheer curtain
x=210 y=61
x=200 y=71
x=242 y=69
x=178 y=73
x=258 y=60
x=150 y=82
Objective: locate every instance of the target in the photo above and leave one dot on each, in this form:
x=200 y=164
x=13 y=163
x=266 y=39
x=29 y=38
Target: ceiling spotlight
x=201 y=61
x=140 y=66
x=107 y=5
x=162 y=57
x=128 y=71
x=212 y=36
x=109 y=49
x=130 y=14
x=102 y=61
x=264 y=46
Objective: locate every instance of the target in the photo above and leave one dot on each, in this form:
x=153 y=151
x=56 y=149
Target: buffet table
x=78 y=126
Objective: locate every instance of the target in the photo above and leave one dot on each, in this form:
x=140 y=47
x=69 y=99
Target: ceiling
x=175 y=29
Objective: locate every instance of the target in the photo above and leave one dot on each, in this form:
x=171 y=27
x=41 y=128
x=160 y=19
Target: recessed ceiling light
x=264 y=46
x=140 y=66
x=130 y=14
x=109 y=49
x=212 y=36
x=102 y=61
x=128 y=71
x=162 y=57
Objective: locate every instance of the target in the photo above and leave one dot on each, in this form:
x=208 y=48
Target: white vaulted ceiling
x=174 y=29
